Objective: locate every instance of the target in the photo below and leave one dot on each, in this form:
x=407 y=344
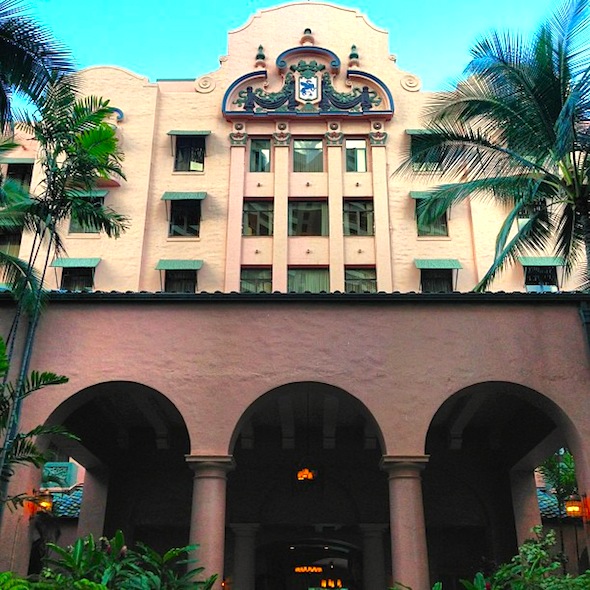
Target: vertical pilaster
x=244 y=555
x=334 y=140
x=373 y=557
x=281 y=140
x=383 y=253
x=93 y=509
x=524 y=503
x=237 y=175
x=409 y=554
x=208 y=511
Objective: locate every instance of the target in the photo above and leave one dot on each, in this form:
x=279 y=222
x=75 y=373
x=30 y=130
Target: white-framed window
x=541 y=279
x=356 y=155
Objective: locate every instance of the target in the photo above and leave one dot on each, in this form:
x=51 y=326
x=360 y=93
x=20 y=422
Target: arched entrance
x=307 y=493
x=132 y=446
x=480 y=493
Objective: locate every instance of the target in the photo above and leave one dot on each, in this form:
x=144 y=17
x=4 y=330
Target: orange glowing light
x=306 y=474
x=308 y=569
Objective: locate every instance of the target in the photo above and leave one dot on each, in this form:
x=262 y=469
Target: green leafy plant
x=109 y=565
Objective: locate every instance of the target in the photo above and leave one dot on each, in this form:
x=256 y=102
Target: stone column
x=208 y=511
x=373 y=557
x=334 y=140
x=281 y=142
x=244 y=569
x=237 y=174
x=383 y=254
x=524 y=503
x=409 y=555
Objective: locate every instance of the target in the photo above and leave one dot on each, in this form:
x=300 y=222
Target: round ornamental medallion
x=377 y=125
x=205 y=84
x=333 y=126
x=410 y=83
x=282 y=126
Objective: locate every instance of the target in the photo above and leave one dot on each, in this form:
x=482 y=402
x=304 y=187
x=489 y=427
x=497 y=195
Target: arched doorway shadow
x=131 y=448
x=308 y=481
x=476 y=441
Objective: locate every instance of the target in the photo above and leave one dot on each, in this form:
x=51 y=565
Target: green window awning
x=177 y=196
x=188 y=132
x=75 y=262
x=541 y=261
x=420 y=194
x=16 y=160
x=437 y=263
x=179 y=265
x=93 y=194
x=418 y=131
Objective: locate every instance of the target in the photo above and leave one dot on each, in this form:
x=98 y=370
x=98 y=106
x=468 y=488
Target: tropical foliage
x=30 y=57
x=21 y=449
x=516 y=131
x=77 y=147
x=109 y=565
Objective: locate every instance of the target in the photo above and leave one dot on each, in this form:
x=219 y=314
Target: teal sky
x=184 y=39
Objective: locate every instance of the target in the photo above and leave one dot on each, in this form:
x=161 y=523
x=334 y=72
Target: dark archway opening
x=135 y=440
x=474 y=441
x=307 y=523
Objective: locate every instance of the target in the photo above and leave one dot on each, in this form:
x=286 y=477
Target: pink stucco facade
x=423 y=415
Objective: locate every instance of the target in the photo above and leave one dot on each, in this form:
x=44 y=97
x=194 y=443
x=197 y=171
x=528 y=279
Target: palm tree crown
x=29 y=57
x=517 y=130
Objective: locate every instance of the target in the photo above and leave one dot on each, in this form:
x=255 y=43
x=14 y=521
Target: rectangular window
x=180 y=281
x=10 y=242
x=77 y=279
x=22 y=173
x=358 y=218
x=356 y=155
x=422 y=160
x=308 y=218
x=257 y=218
x=260 y=155
x=185 y=218
x=190 y=154
x=256 y=280
x=79 y=227
x=541 y=279
x=308 y=280
x=360 y=280
x=438 y=280
x=439 y=227
x=308 y=155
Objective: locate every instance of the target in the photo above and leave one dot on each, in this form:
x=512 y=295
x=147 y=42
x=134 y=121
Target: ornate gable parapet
x=312 y=86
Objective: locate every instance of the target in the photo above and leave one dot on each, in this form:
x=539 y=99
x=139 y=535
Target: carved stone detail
x=238 y=138
x=378 y=138
x=410 y=83
x=334 y=138
x=205 y=84
x=280 y=138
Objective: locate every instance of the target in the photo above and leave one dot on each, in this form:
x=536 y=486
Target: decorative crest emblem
x=308 y=82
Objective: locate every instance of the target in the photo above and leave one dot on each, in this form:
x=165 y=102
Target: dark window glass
x=360 y=280
x=257 y=218
x=190 y=154
x=185 y=218
x=77 y=279
x=358 y=218
x=308 y=218
x=256 y=280
x=312 y=280
x=10 y=243
x=260 y=155
x=422 y=160
x=180 y=281
x=438 y=227
x=22 y=173
x=439 y=280
x=540 y=279
x=308 y=155
x=78 y=227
